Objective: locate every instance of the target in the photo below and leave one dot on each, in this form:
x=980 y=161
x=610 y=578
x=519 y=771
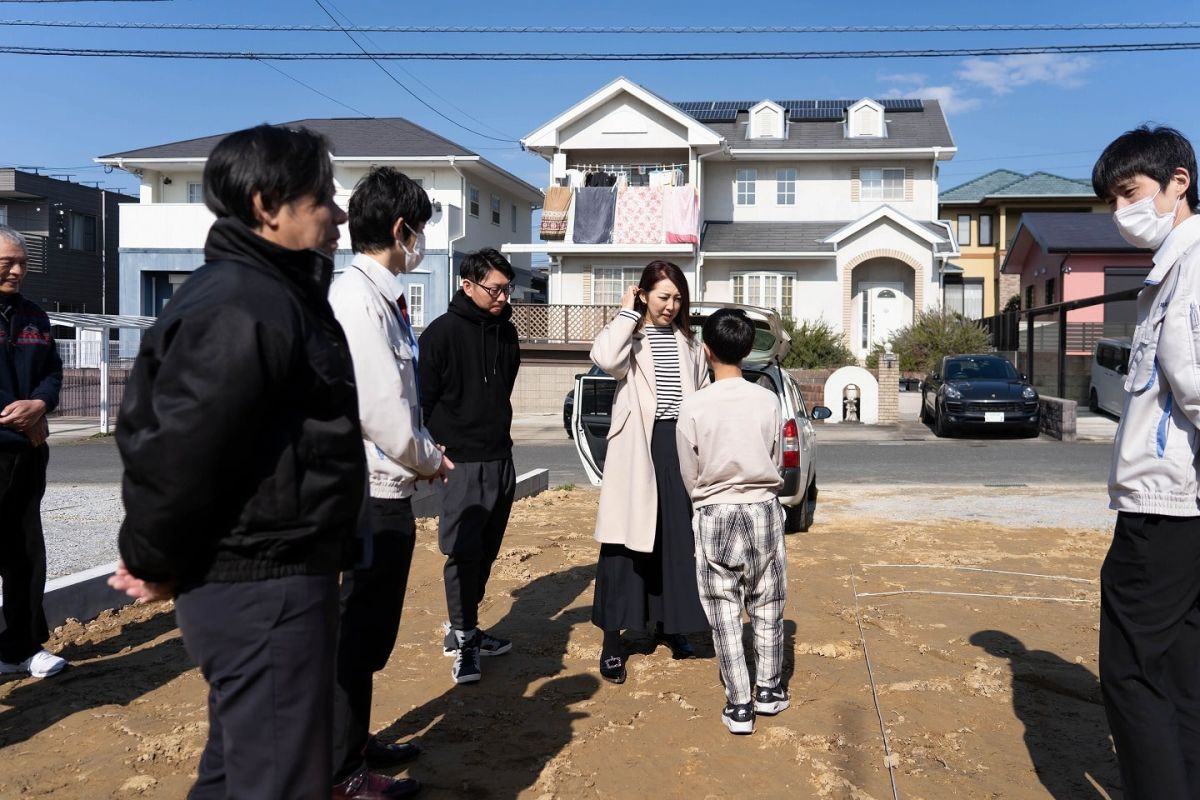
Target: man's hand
x=141 y=591
x=39 y=433
x=22 y=415
x=443 y=470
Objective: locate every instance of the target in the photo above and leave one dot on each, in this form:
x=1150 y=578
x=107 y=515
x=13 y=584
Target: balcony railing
x=560 y=324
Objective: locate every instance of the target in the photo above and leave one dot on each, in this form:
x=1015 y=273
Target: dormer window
x=865 y=118
x=767 y=121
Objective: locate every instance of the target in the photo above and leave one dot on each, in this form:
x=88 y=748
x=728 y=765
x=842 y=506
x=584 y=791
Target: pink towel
x=639 y=216
x=681 y=212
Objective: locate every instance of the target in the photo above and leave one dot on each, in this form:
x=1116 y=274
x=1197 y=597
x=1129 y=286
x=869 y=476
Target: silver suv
x=592 y=413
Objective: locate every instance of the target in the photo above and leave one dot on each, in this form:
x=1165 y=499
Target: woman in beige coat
x=646 y=574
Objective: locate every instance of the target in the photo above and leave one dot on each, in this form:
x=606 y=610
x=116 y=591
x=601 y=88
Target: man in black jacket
x=244 y=468
x=468 y=366
x=30 y=379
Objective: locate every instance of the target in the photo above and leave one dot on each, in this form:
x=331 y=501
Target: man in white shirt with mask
x=388 y=212
x=1150 y=581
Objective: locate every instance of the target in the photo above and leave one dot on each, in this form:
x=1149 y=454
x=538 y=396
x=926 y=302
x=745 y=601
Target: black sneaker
x=739 y=718
x=466 y=659
x=488 y=645
x=769 y=701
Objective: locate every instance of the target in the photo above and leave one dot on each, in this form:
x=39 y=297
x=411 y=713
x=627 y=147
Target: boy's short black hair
x=1154 y=152
x=382 y=196
x=729 y=334
x=283 y=164
x=476 y=266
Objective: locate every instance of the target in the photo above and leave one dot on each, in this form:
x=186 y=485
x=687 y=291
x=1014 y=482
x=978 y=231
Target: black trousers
x=1150 y=654
x=372 y=601
x=476 y=503
x=266 y=649
x=22 y=551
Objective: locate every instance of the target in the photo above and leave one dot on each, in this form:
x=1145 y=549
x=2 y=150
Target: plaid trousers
x=741 y=562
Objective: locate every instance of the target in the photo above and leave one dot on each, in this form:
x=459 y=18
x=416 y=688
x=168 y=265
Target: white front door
x=883 y=312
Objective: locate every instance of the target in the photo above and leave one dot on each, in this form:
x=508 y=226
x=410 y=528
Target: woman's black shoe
x=612 y=667
x=680 y=646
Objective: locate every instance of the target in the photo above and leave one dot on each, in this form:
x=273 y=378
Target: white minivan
x=1110 y=361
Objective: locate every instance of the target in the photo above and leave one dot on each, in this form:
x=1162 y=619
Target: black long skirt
x=636 y=591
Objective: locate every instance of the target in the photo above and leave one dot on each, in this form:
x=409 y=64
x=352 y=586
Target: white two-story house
x=476 y=204
x=816 y=208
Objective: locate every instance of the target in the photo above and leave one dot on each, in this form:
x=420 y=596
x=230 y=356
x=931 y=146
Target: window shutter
x=855 y=186
x=908 y=184
x=587 y=295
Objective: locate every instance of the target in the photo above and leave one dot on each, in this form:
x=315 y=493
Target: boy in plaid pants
x=728 y=440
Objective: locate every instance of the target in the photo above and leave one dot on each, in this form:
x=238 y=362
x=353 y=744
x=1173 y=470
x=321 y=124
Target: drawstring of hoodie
x=483 y=329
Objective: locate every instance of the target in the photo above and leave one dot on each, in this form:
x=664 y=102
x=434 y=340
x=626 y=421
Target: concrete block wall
x=540 y=388
x=1057 y=418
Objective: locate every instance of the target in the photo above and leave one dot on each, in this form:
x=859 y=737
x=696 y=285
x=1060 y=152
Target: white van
x=1110 y=361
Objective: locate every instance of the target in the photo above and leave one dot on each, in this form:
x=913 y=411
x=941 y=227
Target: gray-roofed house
x=1058 y=256
x=815 y=208
x=476 y=204
x=984 y=214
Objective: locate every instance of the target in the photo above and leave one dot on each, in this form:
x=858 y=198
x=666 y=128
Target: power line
x=429 y=88
x=777 y=55
x=593 y=30
x=400 y=83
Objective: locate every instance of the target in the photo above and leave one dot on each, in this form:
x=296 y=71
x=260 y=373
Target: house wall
x=624 y=122
x=815 y=294
x=824 y=191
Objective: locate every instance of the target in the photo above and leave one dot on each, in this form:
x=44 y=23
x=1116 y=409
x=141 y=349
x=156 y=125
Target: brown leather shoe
x=366 y=785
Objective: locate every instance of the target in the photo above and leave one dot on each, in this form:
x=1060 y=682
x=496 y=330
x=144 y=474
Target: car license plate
x=993 y=416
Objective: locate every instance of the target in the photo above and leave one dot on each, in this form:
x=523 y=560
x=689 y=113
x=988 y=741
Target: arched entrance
x=881 y=293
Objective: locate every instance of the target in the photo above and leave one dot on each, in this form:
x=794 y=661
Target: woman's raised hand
x=627 y=299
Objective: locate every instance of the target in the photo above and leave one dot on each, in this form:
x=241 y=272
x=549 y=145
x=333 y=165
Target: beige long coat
x=629 y=495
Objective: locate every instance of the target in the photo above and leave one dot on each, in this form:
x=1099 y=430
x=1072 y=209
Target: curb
x=84 y=595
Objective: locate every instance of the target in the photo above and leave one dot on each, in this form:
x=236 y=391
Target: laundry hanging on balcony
x=554 y=213
x=681 y=214
x=639 y=216
x=594 y=207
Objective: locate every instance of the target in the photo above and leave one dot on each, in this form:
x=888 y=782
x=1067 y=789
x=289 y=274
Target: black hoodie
x=239 y=427
x=468 y=362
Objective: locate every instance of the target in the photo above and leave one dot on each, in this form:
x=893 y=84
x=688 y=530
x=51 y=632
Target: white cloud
x=1006 y=73
x=916 y=78
x=951 y=98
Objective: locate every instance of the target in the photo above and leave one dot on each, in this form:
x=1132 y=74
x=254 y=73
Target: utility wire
x=592 y=30
x=434 y=92
x=777 y=55
x=400 y=83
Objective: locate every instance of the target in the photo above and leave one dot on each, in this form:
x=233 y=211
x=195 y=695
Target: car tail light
x=791 y=444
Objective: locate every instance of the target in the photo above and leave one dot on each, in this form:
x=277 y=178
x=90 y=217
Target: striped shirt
x=668 y=389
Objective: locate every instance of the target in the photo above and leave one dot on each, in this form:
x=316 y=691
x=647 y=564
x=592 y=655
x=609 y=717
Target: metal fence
x=560 y=324
x=1008 y=333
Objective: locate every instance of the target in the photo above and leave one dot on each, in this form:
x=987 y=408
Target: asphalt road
x=1028 y=462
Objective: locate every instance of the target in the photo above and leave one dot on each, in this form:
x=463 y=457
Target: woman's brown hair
x=656 y=271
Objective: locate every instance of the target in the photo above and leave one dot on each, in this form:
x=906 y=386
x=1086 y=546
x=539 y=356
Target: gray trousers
x=476 y=502
x=741 y=563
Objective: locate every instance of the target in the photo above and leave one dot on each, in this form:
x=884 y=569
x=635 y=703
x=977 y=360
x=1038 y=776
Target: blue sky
x=1025 y=113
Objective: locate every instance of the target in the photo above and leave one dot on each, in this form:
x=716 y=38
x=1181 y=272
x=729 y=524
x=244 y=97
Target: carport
x=91 y=350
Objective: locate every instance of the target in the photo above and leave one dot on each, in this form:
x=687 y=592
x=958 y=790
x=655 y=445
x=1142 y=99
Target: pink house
x=1063 y=256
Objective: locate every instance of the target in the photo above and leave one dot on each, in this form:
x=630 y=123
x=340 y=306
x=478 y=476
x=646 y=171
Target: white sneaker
x=41 y=664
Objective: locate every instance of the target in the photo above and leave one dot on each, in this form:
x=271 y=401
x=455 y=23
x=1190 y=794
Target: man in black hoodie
x=468 y=365
x=244 y=467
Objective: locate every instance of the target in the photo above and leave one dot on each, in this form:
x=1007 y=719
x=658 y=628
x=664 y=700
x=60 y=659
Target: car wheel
x=798 y=518
x=924 y=412
x=1093 y=402
x=940 y=428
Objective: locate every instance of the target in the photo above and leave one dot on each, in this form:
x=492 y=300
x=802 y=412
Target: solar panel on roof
x=902 y=104
x=816 y=114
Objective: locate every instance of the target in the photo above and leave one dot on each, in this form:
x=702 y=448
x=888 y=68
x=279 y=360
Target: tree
x=934 y=334
x=815 y=344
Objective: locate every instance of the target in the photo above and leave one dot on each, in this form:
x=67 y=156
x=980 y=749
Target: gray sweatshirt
x=728 y=440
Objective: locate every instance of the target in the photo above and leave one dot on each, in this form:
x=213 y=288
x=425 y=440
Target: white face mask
x=413 y=258
x=1143 y=225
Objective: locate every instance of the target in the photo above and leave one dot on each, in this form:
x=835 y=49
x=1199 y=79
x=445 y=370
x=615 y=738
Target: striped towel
x=681 y=214
x=554 y=212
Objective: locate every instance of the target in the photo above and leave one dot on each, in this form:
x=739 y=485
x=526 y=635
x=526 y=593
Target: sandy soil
x=980 y=696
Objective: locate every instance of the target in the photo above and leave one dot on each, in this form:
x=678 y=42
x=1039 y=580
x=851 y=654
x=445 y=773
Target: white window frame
x=785 y=186
x=496 y=203
x=473 y=201
x=767 y=289
x=881 y=183
x=745 y=187
x=609 y=283
x=195 y=192
x=415 y=296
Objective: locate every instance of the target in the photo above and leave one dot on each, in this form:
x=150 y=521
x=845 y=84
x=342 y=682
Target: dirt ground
x=980 y=696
